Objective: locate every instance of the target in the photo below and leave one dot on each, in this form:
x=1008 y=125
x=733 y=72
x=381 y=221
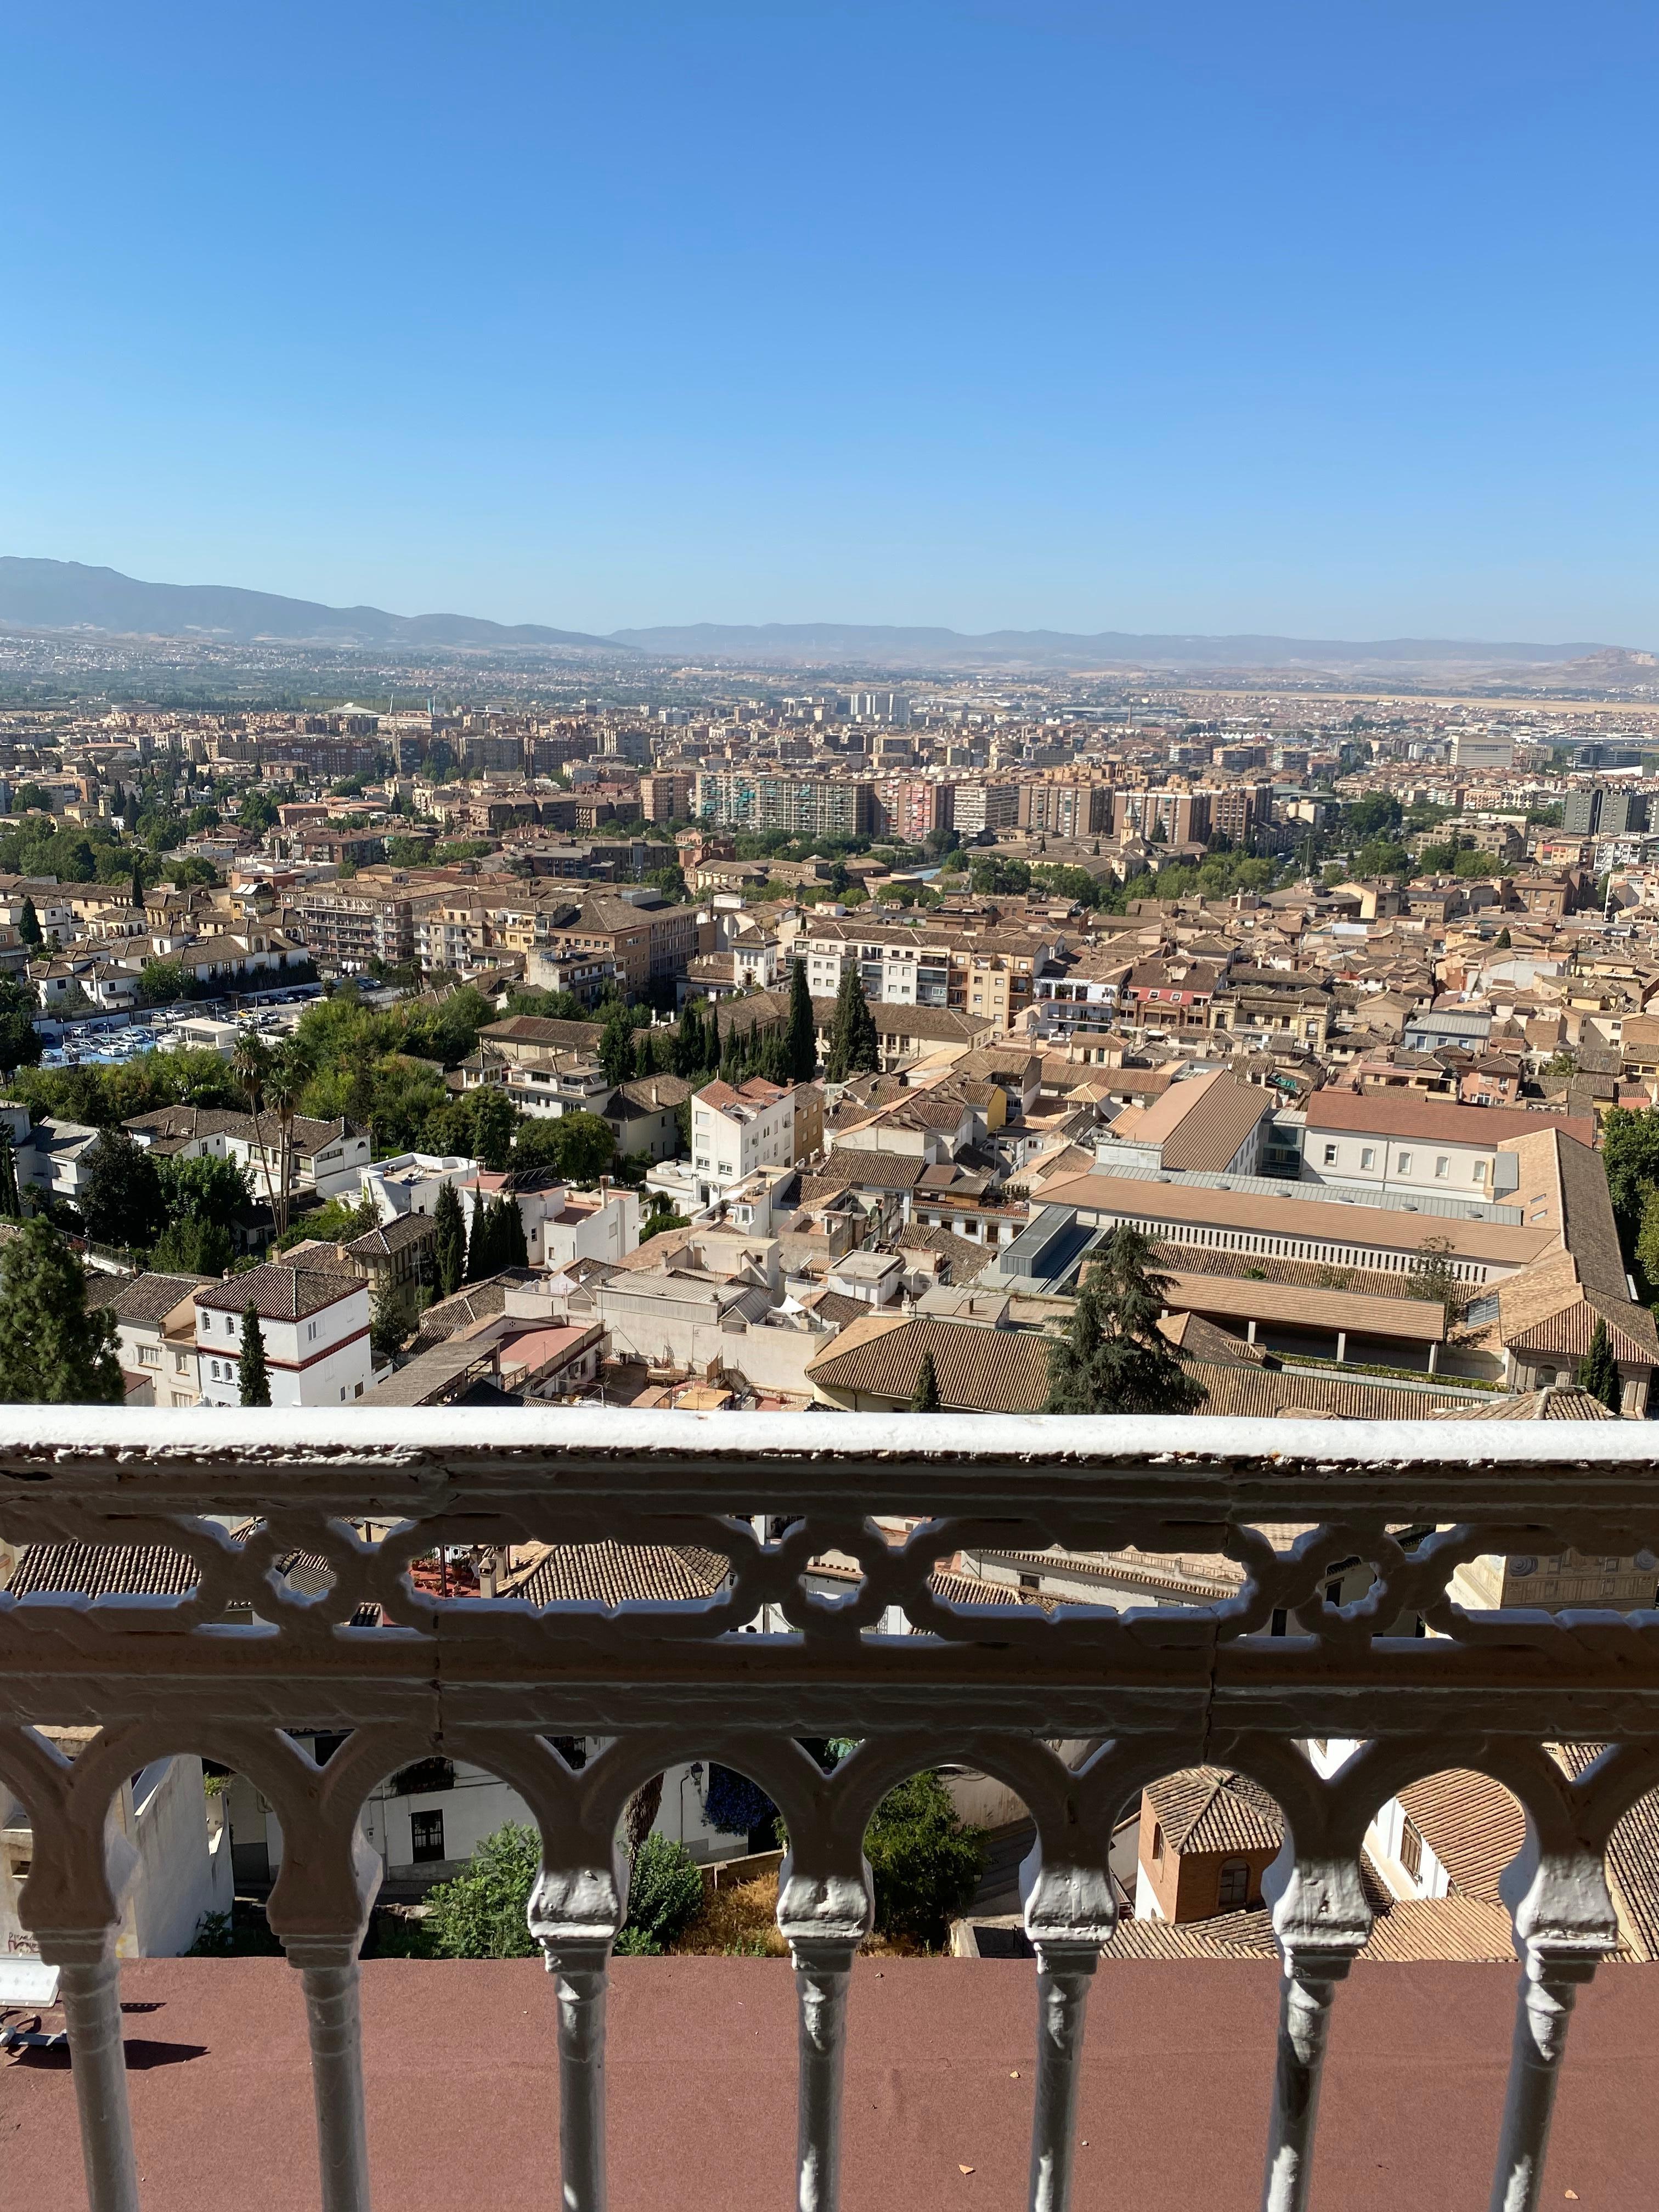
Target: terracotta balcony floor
x=463 y=2091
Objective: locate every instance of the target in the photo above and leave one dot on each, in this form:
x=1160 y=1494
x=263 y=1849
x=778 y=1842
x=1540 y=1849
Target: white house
x=315 y=1330
x=410 y=1182
x=734 y=1131
x=561 y=1225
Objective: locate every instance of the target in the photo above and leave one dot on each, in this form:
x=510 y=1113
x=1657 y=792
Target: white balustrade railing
x=224 y=1670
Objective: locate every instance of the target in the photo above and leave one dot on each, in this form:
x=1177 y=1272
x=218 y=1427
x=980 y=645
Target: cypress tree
x=803 y=1028
x=449 y=1249
x=253 y=1383
x=9 y=1206
x=924 y=1399
x=711 y=1044
x=688 y=1058
x=29 y=927
x=1111 y=1357
x=854 y=1049
x=1598 y=1371
x=508 y=1248
x=137 y=887
x=477 y=1241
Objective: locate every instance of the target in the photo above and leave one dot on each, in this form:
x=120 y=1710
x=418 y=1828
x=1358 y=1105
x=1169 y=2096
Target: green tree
x=1111 y=1358
x=854 y=1049
x=388 y=1321
x=252 y=1382
x=691 y=1051
x=579 y=1146
x=138 y=886
x=192 y=1246
x=20 y=1041
x=617 y=1045
x=161 y=983
x=124 y=1202
x=802 y=1027
x=926 y=1861
x=10 y=1204
x=480 y=1264
x=925 y=1397
x=52 y=1350
x=481 y=1913
x=665 y=1893
x=449 y=1251
x=494 y=1121
x=1599 y=1374
x=29 y=927
x=507 y=1238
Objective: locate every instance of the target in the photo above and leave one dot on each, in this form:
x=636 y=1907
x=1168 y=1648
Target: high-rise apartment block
x=981 y=806
x=1065 y=810
x=803 y=806
x=1600 y=810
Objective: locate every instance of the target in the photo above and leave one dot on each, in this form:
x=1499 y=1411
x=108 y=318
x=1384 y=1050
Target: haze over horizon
x=1168 y=321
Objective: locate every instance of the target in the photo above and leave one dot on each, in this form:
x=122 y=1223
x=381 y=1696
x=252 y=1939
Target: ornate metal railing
x=225 y=1669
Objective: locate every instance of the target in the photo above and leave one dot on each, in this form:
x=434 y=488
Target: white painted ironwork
x=227 y=1669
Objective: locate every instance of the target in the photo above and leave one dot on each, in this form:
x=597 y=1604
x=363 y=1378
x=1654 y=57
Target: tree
x=854 y=1049
x=388 y=1321
x=925 y=1397
x=802 y=1027
x=53 y=1351
x=449 y=1251
x=483 y=1913
x=617 y=1045
x=192 y=1246
x=10 y=1204
x=494 y=1121
x=690 y=1051
x=253 y=1383
x=29 y=927
x=926 y=1861
x=1598 y=1373
x=1111 y=1357
x=20 y=1041
x=1431 y=1277
x=579 y=1146
x=137 y=887
x=478 y=1267
x=124 y=1203
x=506 y=1240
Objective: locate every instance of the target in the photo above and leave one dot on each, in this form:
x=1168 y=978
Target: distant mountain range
x=65 y=595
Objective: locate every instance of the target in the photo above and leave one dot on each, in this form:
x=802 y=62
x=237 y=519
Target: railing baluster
x=90 y=1987
x=1065 y=1971
x=1321 y=1922
x=1564 y=1923
x=823 y=1971
x=334 y=2020
x=580 y=1976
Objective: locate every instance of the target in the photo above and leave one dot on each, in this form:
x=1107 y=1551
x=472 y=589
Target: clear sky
x=1330 y=317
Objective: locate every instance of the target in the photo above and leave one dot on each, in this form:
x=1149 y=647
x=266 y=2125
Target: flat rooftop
x=462 y=2071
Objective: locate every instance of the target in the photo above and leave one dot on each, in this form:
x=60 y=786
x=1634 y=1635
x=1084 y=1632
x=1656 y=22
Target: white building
x=315 y=1330
x=561 y=1225
x=410 y=1182
x=734 y=1132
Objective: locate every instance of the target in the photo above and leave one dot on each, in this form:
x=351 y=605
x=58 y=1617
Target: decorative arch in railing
x=225 y=1669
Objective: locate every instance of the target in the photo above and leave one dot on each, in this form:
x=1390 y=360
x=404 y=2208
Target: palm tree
x=252 y=1067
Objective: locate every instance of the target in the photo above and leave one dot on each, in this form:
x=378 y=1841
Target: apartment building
x=649 y=945
x=315 y=1326
x=668 y=794
x=911 y=807
x=735 y=1131
x=1173 y=817
x=803 y=806
x=1065 y=808
x=156 y=1338
x=348 y=924
x=989 y=973
x=978 y=807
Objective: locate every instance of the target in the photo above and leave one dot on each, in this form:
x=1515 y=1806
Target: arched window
x=1233 y=1890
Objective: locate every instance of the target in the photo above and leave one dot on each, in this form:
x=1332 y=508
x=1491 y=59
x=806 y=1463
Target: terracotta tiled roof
x=1471 y=1824
x=983 y=1371
x=103 y=1571
x=617 y=1574
x=279 y=1293
x=152 y=1297
x=1563 y=1401
x=1400 y=1114
x=1261 y=1392
x=1207 y=1809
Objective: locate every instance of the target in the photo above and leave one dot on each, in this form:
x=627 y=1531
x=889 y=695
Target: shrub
x=926 y=1861
x=665 y=1894
x=481 y=1913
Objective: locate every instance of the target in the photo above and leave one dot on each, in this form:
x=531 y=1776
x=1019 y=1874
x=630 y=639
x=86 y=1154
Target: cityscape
x=827 y=1349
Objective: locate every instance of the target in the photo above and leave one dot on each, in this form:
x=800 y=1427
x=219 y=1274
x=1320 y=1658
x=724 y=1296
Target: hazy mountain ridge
x=66 y=595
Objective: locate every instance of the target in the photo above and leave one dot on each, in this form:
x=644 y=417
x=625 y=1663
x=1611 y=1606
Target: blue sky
x=1336 y=320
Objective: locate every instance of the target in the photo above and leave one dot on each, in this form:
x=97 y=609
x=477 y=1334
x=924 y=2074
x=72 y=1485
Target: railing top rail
x=420 y=1460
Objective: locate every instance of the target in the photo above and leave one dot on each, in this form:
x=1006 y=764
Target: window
x=1405 y=1164
x=426 y=1832
x=1411 y=1851
x=1330 y=1156
x=149 y=1355
x=311 y=1332
x=1233 y=1889
x=1442 y=1168
x=1368 y=1156
x=1157 y=1842
x=1478 y=1172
